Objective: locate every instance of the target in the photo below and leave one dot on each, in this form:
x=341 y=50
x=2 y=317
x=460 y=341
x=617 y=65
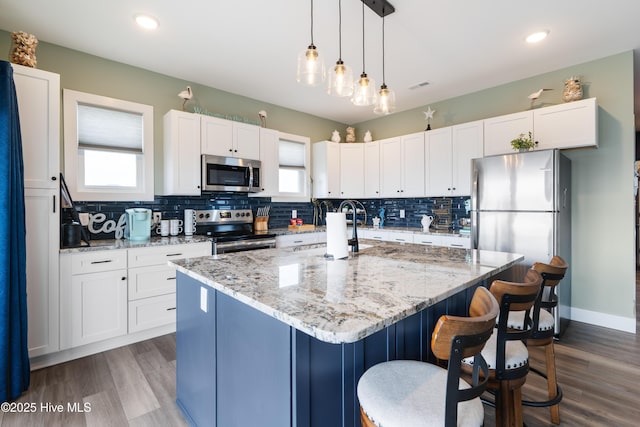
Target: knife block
x=261 y=223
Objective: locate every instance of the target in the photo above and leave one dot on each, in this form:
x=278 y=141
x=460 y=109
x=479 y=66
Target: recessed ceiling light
x=537 y=37
x=146 y=21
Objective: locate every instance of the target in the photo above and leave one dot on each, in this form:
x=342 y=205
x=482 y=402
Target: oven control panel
x=224 y=216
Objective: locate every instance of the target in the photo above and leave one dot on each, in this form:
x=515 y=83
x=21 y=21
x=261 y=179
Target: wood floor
x=598 y=370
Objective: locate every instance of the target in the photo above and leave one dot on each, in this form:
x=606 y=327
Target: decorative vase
x=23 y=50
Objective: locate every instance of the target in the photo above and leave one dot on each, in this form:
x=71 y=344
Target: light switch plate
x=294 y=213
x=203 y=299
x=401 y=213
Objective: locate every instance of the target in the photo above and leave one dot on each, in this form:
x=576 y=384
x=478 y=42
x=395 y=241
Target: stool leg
x=552 y=382
x=517 y=407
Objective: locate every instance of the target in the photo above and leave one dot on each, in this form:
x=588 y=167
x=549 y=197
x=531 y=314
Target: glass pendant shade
x=311 y=71
x=364 y=91
x=340 y=82
x=386 y=103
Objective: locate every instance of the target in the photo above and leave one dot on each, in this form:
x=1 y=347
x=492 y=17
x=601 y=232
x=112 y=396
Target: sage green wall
x=603 y=249
x=92 y=74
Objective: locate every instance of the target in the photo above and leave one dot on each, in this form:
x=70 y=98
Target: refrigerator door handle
x=474 y=190
x=474 y=229
x=564 y=197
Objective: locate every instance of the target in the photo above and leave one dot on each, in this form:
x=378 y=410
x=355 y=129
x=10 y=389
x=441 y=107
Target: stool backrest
x=455 y=338
x=514 y=296
x=552 y=274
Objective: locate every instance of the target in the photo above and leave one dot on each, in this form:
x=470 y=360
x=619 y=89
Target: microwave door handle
x=250 y=177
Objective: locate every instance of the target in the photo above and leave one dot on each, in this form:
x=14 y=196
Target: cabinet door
x=438 y=145
x=181 y=153
x=467 y=145
x=326 y=169
x=413 y=165
x=270 y=161
x=42 y=244
x=246 y=141
x=216 y=136
x=372 y=169
x=38 y=94
x=390 y=168
x=98 y=306
x=500 y=131
x=351 y=171
x=570 y=125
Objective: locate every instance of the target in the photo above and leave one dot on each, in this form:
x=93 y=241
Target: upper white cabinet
x=181 y=153
x=222 y=137
x=500 y=131
x=402 y=166
x=439 y=148
x=270 y=163
x=326 y=169
x=372 y=169
x=570 y=125
x=38 y=94
x=352 y=175
x=468 y=143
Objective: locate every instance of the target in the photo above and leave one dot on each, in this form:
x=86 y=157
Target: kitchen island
x=280 y=337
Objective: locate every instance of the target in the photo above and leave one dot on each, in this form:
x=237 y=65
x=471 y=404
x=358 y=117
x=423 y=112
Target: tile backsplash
x=173 y=206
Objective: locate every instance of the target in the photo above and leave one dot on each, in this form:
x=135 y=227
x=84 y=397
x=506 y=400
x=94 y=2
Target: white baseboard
x=611 y=321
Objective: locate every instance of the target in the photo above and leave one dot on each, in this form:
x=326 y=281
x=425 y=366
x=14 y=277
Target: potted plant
x=523 y=142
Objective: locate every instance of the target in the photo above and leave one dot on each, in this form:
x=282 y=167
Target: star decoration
x=429 y=113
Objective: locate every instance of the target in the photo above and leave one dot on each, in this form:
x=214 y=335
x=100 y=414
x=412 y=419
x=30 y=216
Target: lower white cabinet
x=299 y=239
x=150 y=312
x=416 y=238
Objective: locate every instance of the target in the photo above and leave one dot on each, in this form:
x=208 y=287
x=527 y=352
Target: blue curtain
x=14 y=355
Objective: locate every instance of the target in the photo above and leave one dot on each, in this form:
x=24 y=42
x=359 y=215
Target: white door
x=270 y=163
x=413 y=165
x=351 y=171
x=390 y=168
x=372 y=169
x=500 y=131
x=181 y=153
x=467 y=145
x=43 y=244
x=216 y=136
x=569 y=125
x=246 y=141
x=438 y=143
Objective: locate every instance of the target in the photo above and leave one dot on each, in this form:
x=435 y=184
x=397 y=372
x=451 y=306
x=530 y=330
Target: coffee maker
x=138 y=225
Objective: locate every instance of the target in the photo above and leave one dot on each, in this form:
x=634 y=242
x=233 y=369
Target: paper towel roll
x=337 y=245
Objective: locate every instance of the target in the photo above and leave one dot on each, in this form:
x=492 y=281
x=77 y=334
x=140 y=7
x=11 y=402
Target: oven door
x=242 y=245
x=230 y=174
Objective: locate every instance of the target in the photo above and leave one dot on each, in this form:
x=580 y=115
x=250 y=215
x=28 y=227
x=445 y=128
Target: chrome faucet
x=353 y=242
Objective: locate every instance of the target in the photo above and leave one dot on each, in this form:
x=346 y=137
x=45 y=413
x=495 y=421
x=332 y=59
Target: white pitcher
x=426 y=222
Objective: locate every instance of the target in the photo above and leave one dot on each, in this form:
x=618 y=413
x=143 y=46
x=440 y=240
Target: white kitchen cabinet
x=500 y=131
x=42 y=245
x=399 y=237
x=222 y=137
x=38 y=94
x=390 y=167
x=299 y=239
x=427 y=239
x=413 y=165
x=456 y=242
x=93 y=297
x=181 y=153
x=468 y=144
x=372 y=169
x=270 y=163
x=326 y=169
x=352 y=174
x=439 y=148
x=152 y=283
x=569 y=125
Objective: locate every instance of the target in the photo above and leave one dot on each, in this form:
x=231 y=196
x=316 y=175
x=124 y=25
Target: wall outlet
x=157 y=217
x=401 y=213
x=294 y=213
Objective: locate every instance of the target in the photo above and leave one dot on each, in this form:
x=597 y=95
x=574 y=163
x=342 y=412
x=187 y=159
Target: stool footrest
x=544 y=403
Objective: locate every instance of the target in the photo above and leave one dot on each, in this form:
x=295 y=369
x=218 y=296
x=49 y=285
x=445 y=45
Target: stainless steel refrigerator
x=521 y=203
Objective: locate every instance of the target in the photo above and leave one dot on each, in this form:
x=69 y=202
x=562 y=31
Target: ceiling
x=250 y=47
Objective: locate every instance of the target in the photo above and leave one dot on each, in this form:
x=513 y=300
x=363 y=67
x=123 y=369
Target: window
x=108 y=148
x=293 y=173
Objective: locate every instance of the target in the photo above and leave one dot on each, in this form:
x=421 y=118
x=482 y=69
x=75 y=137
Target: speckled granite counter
x=342 y=301
x=101 y=245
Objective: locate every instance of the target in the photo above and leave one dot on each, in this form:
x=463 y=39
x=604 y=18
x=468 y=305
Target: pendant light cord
x=311 y=22
x=363 y=38
x=340 y=30
x=383 y=79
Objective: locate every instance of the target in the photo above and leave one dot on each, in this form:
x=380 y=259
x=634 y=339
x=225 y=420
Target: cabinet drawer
x=158 y=255
x=399 y=237
x=289 y=240
x=427 y=239
x=456 y=242
x=93 y=262
x=151 y=281
x=151 y=312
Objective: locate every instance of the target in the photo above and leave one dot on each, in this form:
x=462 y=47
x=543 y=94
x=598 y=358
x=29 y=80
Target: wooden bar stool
x=505 y=352
x=543 y=330
x=403 y=393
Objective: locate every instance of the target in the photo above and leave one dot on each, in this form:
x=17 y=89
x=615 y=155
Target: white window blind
x=102 y=128
x=291 y=154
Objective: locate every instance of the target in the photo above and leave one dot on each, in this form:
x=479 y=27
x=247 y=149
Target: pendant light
x=386 y=103
x=311 y=71
x=340 y=82
x=364 y=92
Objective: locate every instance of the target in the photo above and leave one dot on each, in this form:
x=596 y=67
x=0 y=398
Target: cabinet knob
x=53 y=178
x=230 y=150
x=123 y=278
x=235 y=151
x=198 y=187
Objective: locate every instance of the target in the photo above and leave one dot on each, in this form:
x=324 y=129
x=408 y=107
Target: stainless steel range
x=232 y=230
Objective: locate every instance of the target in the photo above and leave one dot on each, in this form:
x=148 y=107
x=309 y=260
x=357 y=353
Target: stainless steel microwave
x=230 y=174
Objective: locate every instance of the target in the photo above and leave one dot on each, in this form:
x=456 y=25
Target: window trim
x=306 y=195
x=73 y=154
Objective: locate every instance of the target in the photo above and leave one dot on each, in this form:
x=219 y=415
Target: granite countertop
x=108 y=244
x=342 y=301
